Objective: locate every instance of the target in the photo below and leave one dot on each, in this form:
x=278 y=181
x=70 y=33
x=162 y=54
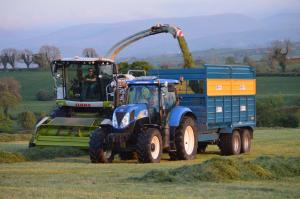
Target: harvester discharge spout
x=157 y=29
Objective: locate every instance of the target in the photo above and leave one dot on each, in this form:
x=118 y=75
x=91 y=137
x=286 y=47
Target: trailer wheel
x=149 y=146
x=202 y=147
x=186 y=140
x=230 y=143
x=246 y=140
x=97 y=152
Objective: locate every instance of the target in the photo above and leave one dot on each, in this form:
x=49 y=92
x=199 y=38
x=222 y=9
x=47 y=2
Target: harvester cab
x=85 y=97
x=84 y=82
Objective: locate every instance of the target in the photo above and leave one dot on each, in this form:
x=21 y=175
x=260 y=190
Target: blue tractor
x=142 y=125
x=180 y=113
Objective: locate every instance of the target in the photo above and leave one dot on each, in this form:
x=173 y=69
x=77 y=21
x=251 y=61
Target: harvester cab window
x=81 y=82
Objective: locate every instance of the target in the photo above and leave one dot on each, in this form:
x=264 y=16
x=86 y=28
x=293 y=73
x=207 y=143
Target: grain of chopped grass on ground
x=224 y=169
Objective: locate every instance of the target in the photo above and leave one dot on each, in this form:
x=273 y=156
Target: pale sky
x=35 y=13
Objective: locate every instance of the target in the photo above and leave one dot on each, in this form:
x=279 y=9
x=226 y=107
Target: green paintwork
x=62 y=131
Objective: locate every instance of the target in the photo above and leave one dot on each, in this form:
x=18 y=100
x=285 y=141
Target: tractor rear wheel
x=127 y=155
x=186 y=140
x=246 y=140
x=230 y=143
x=97 y=152
x=149 y=146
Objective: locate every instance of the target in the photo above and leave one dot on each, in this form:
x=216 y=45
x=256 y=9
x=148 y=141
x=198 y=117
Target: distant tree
x=27 y=119
x=4 y=60
x=9 y=56
x=41 y=60
x=136 y=65
x=89 y=52
x=48 y=54
x=249 y=61
x=279 y=51
x=140 y=65
x=199 y=62
x=165 y=66
x=27 y=56
x=123 y=67
x=230 y=60
x=9 y=94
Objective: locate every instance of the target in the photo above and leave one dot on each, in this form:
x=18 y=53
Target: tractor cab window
x=169 y=97
x=146 y=94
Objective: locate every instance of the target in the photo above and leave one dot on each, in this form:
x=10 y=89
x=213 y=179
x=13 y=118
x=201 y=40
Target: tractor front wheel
x=97 y=152
x=149 y=146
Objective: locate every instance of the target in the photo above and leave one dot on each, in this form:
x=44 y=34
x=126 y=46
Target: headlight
x=114 y=121
x=125 y=120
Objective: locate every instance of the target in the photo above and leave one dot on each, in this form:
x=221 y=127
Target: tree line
x=43 y=58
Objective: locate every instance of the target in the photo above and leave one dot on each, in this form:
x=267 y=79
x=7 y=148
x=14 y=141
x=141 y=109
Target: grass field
x=75 y=177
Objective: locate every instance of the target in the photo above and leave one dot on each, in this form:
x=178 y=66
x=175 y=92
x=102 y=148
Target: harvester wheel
x=202 y=147
x=246 y=140
x=149 y=146
x=96 y=148
x=230 y=143
x=186 y=140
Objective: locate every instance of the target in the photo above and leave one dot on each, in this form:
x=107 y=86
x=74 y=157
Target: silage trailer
x=210 y=105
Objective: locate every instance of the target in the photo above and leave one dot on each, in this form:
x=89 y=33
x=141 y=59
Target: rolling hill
x=202 y=32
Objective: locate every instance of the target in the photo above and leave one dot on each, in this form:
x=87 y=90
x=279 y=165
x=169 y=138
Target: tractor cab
x=83 y=82
x=158 y=94
x=150 y=96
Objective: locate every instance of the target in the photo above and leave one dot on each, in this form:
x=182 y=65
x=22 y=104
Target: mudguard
x=174 y=121
x=176 y=115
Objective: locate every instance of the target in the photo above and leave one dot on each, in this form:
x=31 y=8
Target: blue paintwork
x=137 y=108
x=176 y=115
x=205 y=107
x=155 y=81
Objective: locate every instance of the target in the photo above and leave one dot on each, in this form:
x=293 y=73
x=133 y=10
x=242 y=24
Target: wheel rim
x=236 y=144
x=246 y=142
x=155 y=147
x=189 y=140
x=107 y=154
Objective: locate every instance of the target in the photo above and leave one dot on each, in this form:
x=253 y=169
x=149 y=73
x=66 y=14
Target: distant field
x=75 y=177
x=32 y=81
x=286 y=86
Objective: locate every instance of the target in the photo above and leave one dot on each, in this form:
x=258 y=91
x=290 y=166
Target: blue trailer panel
x=219 y=96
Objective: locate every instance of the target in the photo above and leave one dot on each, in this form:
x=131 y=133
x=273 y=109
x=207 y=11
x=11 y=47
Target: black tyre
x=230 y=143
x=125 y=155
x=246 y=140
x=97 y=151
x=202 y=147
x=186 y=140
x=30 y=145
x=149 y=146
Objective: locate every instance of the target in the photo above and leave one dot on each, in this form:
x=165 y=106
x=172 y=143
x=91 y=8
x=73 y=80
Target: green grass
x=31 y=82
x=8 y=137
x=75 y=177
x=286 y=86
x=228 y=169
